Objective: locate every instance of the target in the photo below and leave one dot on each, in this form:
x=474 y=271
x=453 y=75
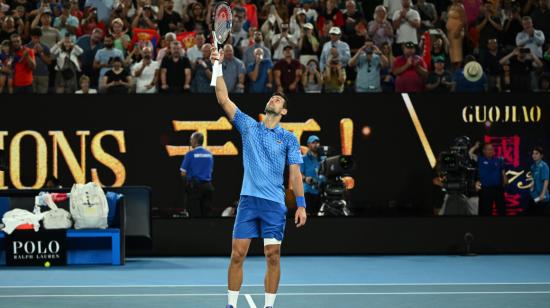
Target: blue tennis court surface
x=370 y=281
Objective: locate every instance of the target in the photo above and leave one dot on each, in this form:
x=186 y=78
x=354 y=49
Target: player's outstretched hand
x=216 y=55
x=300 y=217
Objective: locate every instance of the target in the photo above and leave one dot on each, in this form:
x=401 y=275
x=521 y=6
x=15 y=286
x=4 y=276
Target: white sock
x=232 y=297
x=269 y=299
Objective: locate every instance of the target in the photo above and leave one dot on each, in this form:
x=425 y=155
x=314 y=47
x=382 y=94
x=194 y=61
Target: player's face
x=275 y=106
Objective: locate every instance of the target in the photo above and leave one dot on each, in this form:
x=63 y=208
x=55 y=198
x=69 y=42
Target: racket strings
x=222 y=23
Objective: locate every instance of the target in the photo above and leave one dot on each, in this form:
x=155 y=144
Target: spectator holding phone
x=117 y=80
x=308 y=44
x=335 y=47
x=202 y=74
x=50 y=35
x=146 y=73
x=334 y=76
x=281 y=40
x=522 y=63
x=369 y=61
x=530 y=38
x=312 y=80
x=42 y=53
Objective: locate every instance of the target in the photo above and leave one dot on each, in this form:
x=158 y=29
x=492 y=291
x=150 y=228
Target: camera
x=456 y=168
x=331 y=187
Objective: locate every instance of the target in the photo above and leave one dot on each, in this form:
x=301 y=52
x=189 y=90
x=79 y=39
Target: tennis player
x=261 y=212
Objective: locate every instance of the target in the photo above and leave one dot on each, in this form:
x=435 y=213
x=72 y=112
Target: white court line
x=250 y=301
x=278 y=294
x=281 y=285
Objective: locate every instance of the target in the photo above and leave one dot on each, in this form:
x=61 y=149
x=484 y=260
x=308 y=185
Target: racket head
x=222 y=22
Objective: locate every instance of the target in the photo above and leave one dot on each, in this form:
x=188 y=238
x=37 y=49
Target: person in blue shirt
x=196 y=171
x=310 y=169
x=492 y=180
x=540 y=197
x=267 y=148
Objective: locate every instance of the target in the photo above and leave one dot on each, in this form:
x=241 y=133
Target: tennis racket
x=222 y=23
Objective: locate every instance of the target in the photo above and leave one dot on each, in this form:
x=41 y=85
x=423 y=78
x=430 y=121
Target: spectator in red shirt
x=288 y=72
x=24 y=65
x=410 y=70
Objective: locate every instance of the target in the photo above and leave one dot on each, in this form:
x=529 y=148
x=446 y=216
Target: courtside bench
x=84 y=246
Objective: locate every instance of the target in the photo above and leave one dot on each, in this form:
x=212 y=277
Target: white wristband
x=217 y=70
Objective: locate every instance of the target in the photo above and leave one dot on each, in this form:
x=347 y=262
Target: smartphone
x=525 y=50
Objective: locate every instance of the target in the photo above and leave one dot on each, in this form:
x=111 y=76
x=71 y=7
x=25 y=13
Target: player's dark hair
x=538 y=149
x=281 y=94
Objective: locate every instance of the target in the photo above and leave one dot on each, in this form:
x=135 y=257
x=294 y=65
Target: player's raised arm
x=221 y=90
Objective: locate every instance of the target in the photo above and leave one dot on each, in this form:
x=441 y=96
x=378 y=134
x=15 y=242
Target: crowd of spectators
x=311 y=46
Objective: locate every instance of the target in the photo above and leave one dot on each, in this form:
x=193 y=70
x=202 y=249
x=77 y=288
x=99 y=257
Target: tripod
x=333 y=202
x=456 y=204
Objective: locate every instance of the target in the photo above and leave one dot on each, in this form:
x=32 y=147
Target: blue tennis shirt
x=265 y=154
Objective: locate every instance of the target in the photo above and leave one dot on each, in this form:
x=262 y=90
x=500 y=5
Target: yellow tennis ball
x=47 y=264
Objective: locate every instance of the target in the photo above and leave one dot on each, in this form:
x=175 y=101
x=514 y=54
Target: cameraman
x=492 y=180
x=310 y=176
